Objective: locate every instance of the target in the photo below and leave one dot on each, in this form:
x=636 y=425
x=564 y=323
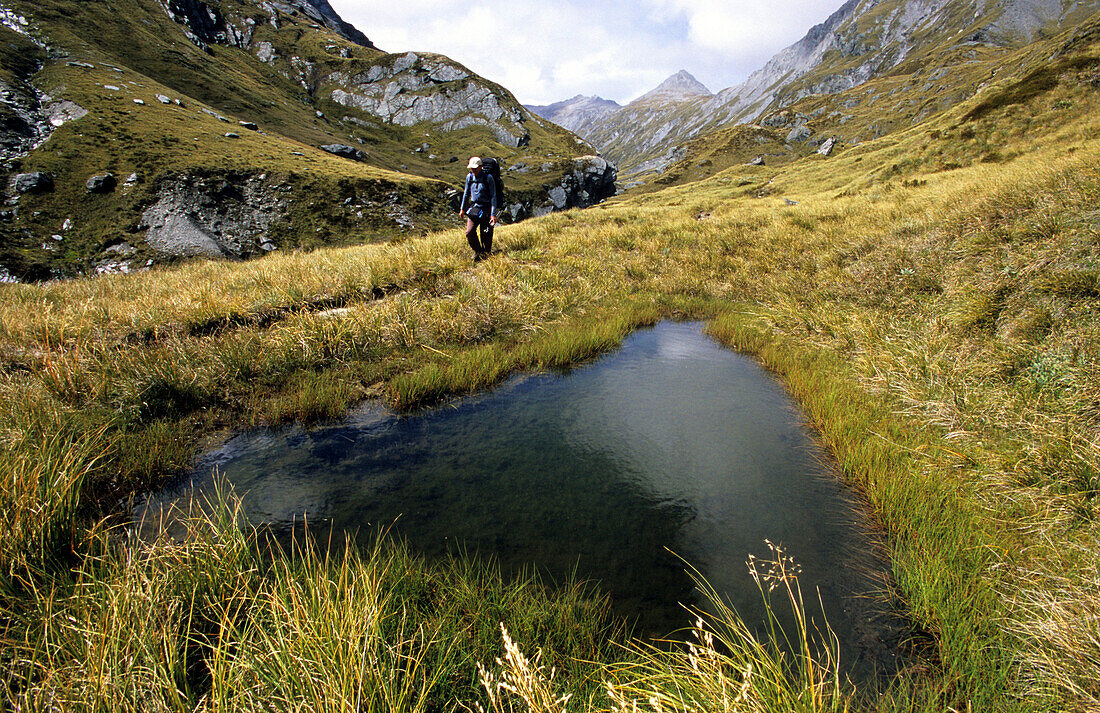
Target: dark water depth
x=671 y=443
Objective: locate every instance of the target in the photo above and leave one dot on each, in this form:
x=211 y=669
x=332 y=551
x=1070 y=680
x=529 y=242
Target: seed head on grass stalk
x=520 y=684
x=727 y=667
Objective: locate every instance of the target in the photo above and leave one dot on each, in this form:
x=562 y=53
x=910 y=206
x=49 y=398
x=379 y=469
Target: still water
x=673 y=443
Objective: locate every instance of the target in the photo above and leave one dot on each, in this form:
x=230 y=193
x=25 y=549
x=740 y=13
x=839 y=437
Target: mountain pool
x=671 y=444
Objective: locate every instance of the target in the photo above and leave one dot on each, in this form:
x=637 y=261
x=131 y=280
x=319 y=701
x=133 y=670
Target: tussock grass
x=939 y=327
x=724 y=666
x=215 y=622
x=728 y=667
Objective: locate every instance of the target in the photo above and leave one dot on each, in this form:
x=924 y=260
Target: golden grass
x=940 y=327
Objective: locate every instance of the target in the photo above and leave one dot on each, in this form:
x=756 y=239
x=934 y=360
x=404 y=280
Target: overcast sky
x=548 y=50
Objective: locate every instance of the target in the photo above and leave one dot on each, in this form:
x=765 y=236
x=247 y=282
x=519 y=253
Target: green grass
x=217 y=622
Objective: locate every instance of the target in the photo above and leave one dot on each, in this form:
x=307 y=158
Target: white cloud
x=549 y=51
x=731 y=28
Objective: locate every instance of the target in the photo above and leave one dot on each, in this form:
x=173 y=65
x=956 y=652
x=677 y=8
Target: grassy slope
x=136 y=47
x=725 y=148
x=936 y=315
x=140 y=37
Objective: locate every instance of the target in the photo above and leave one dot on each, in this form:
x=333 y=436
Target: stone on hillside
x=163 y=99
x=85 y=65
x=139 y=102
x=800 y=132
x=34 y=182
x=103 y=183
x=558 y=196
x=345 y=151
x=251 y=126
x=63 y=111
x=124 y=249
x=777 y=120
x=827 y=147
x=232 y=135
x=758 y=161
x=68 y=224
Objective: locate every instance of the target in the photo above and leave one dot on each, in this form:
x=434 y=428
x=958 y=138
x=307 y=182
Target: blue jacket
x=480 y=191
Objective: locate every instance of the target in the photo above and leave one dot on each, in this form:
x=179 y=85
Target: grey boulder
x=34 y=182
x=800 y=132
x=103 y=183
x=345 y=151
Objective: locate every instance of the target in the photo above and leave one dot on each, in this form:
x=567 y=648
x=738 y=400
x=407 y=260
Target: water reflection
x=671 y=443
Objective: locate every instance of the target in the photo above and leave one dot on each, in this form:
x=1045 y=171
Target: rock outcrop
x=215 y=216
x=590 y=180
x=412 y=88
x=205 y=24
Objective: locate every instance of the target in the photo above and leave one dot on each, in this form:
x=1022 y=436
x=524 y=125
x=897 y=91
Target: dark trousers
x=485 y=245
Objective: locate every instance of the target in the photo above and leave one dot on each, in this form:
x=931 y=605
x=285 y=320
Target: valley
x=927 y=293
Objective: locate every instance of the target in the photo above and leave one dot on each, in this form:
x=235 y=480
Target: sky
x=549 y=50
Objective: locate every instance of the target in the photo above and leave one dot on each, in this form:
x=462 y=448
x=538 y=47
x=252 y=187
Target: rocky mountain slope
x=644 y=132
x=138 y=131
x=934 y=43
x=577 y=112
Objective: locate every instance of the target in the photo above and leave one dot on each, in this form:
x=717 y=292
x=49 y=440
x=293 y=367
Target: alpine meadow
x=899 y=217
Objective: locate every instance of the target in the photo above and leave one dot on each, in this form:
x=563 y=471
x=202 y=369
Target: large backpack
x=492 y=167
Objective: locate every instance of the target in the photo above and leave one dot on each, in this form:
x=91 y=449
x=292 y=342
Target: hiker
x=479 y=207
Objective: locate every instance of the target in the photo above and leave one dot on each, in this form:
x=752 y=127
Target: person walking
x=479 y=206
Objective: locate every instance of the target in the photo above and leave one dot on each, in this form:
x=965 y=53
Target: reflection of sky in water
x=700 y=425
x=671 y=443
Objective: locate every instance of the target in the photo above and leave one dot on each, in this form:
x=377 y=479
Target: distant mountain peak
x=679 y=86
x=578 y=111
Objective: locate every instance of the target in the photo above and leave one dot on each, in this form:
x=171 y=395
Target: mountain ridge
x=580 y=110
x=863 y=39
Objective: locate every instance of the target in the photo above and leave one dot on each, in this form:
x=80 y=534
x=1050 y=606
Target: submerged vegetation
x=933 y=310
